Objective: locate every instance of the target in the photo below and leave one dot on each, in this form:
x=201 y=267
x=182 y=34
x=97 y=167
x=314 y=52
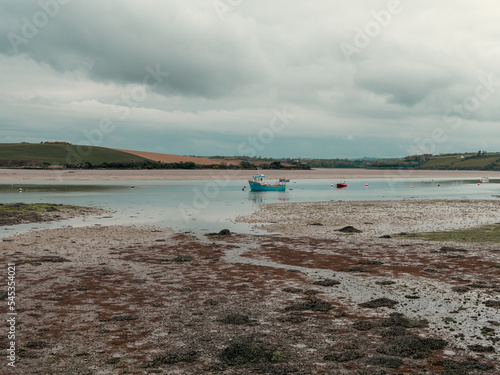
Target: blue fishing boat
x=257 y=183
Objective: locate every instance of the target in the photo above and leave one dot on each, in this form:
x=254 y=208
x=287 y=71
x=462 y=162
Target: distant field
x=57 y=154
x=470 y=161
x=169 y=158
x=199 y=160
x=60 y=154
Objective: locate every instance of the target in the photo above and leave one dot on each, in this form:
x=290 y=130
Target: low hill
x=66 y=155
x=480 y=160
x=59 y=153
x=487 y=161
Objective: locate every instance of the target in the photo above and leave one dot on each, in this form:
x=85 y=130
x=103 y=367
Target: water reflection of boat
x=257 y=183
x=259 y=197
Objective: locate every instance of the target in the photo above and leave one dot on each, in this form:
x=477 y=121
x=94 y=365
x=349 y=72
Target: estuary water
x=209 y=206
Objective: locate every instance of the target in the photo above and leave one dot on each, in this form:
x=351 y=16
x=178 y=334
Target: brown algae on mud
x=417 y=274
x=230 y=307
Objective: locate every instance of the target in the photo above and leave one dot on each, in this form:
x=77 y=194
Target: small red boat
x=341 y=185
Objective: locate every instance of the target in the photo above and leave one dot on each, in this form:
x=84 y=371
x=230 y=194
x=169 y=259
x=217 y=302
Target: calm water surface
x=205 y=206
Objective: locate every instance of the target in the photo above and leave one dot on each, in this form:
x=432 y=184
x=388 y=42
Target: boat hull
x=259 y=187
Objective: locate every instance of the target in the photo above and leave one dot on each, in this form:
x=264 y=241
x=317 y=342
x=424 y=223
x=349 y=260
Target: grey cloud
x=115 y=42
x=404 y=82
x=226 y=76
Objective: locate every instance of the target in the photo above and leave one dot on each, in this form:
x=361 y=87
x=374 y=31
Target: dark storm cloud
x=417 y=69
x=115 y=42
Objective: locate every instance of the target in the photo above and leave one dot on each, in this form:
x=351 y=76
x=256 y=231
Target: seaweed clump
x=173 y=358
x=412 y=346
x=237 y=319
x=400 y=320
x=313 y=304
x=379 y=302
x=363 y=325
x=451 y=367
x=345 y=356
x=388 y=362
x=246 y=350
x=327 y=282
x=491 y=303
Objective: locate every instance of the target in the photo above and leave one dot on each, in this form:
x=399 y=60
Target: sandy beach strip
x=373 y=218
x=212 y=174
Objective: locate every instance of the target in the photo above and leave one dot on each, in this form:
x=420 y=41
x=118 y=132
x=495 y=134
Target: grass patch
x=57 y=154
x=16 y=213
x=23 y=208
x=485 y=233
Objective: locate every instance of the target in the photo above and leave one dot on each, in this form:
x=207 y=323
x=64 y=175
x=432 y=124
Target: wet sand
x=16 y=175
x=139 y=300
x=373 y=218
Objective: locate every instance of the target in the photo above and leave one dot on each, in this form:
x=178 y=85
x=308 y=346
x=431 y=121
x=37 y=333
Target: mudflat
x=333 y=289
x=237 y=174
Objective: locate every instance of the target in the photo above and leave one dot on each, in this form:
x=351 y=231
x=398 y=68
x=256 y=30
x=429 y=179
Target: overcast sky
x=252 y=77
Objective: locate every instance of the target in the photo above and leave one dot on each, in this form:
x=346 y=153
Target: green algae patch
x=485 y=233
x=17 y=213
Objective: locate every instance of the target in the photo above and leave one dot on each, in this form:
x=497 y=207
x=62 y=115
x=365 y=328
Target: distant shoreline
x=209 y=174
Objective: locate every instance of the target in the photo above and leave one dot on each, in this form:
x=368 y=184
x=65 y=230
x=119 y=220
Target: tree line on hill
x=471 y=161
x=145 y=164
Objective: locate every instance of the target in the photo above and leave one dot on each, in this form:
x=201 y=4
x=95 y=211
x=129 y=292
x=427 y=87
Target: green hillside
x=66 y=155
x=472 y=161
x=58 y=153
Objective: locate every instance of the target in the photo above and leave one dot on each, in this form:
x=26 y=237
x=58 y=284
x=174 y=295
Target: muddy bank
x=143 y=300
x=22 y=213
